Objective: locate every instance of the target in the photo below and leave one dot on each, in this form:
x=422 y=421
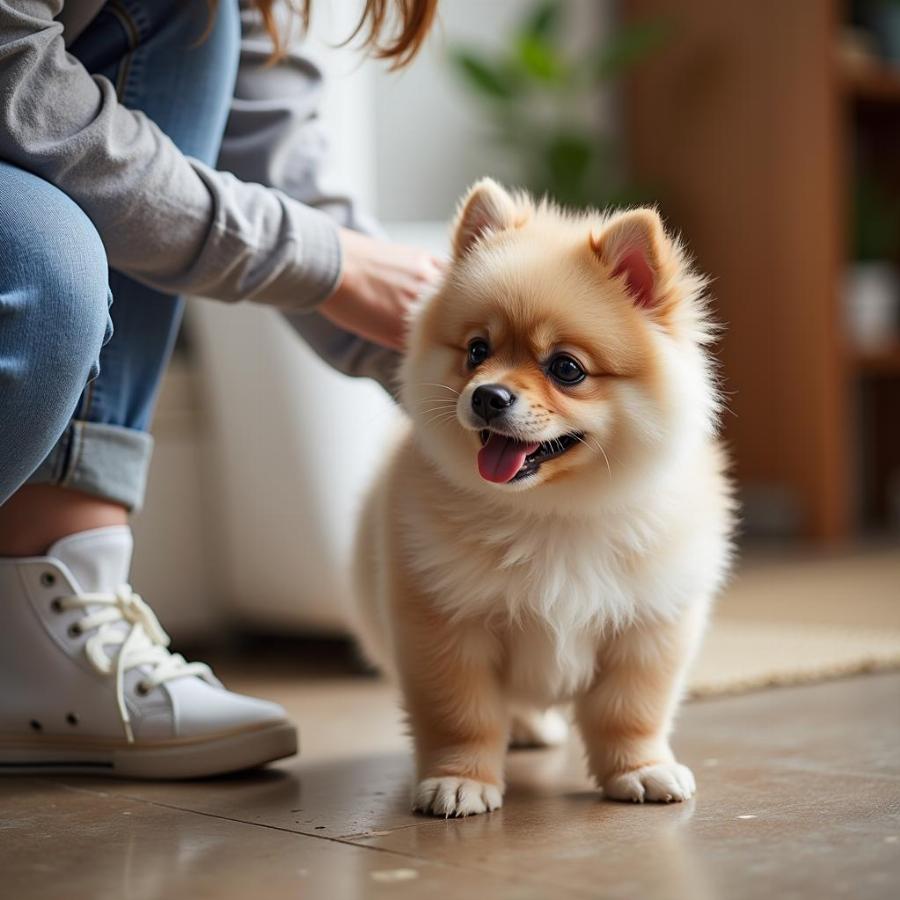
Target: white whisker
x=440 y=418
x=438 y=403
x=438 y=384
x=594 y=445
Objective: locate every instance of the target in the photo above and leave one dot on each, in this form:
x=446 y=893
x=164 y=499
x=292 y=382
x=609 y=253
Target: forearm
x=275 y=136
x=164 y=219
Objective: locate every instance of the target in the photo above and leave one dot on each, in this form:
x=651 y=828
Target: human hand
x=379 y=283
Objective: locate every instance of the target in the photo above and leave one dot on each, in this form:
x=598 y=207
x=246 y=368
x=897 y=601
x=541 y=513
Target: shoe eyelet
x=35 y=725
x=142 y=689
x=48 y=579
x=72 y=718
x=56 y=605
x=75 y=630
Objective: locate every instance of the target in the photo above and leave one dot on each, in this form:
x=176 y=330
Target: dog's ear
x=486 y=207
x=633 y=245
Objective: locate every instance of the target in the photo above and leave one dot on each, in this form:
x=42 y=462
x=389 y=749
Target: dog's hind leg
x=532 y=728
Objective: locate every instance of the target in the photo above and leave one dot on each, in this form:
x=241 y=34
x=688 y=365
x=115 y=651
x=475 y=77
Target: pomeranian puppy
x=555 y=521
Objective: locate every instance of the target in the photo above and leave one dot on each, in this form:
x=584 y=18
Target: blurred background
x=769 y=135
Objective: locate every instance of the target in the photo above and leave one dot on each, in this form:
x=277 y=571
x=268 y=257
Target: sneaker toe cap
x=200 y=708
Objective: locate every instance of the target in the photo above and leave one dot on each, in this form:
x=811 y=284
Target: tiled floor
x=799 y=797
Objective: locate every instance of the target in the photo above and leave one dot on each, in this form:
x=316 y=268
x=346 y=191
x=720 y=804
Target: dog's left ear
x=634 y=245
x=486 y=207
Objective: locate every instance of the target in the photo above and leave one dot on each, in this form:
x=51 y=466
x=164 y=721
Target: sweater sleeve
x=165 y=219
x=275 y=136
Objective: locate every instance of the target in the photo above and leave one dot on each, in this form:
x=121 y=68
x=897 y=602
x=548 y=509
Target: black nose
x=490 y=400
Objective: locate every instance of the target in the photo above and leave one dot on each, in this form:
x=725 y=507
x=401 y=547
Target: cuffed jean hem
x=107 y=461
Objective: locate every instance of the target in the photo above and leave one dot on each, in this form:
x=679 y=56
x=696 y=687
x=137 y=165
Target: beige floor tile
x=83 y=844
x=799 y=797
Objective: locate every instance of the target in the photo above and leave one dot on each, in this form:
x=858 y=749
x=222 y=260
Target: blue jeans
x=78 y=378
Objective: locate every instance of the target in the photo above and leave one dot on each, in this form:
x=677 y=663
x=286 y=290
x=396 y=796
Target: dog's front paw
x=448 y=796
x=660 y=783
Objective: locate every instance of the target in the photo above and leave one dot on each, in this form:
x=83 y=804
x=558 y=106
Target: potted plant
x=540 y=97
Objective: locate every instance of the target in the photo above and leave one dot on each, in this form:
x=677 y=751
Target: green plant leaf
x=569 y=153
x=568 y=158
x=534 y=89
x=544 y=20
x=630 y=44
x=484 y=77
x=539 y=59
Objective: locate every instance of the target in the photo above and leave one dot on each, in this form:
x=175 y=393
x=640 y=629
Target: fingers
x=381 y=282
x=437 y=269
x=394 y=334
x=430 y=274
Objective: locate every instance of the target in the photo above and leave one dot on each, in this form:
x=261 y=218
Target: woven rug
x=793 y=621
x=742 y=656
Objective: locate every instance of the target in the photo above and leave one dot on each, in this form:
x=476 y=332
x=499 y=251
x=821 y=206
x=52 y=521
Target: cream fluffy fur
x=588 y=581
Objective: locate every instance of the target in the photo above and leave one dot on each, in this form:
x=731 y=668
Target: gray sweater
x=165 y=219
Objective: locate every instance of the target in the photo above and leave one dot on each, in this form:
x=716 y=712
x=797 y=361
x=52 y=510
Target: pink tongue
x=501 y=457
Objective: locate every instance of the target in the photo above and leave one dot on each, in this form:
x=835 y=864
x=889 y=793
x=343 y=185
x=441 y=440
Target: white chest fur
x=553 y=587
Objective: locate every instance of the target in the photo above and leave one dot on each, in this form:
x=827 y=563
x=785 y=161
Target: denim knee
x=54 y=315
x=57 y=307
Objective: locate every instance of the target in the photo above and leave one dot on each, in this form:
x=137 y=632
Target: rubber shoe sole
x=180 y=758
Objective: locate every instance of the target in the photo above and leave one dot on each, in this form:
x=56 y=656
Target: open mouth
x=503 y=459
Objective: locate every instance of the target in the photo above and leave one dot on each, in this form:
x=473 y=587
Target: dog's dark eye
x=479 y=351
x=565 y=370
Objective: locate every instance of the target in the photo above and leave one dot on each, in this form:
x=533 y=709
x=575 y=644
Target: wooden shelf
x=875 y=83
x=878 y=362
x=827 y=105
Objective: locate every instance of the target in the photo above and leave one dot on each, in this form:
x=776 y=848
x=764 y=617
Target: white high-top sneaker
x=86 y=681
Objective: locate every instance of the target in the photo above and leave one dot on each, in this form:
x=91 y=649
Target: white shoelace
x=144 y=643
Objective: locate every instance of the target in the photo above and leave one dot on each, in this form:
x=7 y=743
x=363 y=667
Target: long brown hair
x=393 y=30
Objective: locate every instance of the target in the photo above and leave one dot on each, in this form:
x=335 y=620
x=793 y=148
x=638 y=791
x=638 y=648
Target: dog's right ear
x=487 y=207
